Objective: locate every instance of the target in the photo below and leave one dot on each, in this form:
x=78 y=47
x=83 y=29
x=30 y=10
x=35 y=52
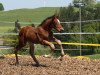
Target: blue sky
x=18 y=4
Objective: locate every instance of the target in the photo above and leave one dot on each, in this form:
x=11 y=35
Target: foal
x=40 y=35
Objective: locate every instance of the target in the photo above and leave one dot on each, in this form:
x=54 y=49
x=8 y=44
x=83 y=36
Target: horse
x=42 y=34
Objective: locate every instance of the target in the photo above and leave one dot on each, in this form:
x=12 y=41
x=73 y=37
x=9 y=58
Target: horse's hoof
x=62 y=55
x=37 y=65
x=16 y=63
x=2 y=57
x=61 y=58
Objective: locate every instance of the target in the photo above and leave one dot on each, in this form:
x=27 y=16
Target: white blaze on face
x=58 y=21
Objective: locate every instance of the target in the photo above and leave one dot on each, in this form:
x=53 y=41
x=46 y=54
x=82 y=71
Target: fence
x=79 y=33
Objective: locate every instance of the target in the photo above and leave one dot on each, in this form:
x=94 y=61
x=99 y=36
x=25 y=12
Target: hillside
x=36 y=15
x=24 y=16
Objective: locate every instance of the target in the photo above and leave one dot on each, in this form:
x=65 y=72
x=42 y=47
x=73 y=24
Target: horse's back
x=29 y=33
x=24 y=30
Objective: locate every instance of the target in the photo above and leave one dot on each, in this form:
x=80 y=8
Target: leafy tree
x=71 y=13
x=1 y=7
x=89 y=2
x=97 y=10
x=86 y=2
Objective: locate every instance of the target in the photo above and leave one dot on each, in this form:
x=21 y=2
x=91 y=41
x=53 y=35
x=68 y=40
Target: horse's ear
x=56 y=14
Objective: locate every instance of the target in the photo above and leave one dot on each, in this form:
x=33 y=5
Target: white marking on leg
x=52 y=46
x=58 y=42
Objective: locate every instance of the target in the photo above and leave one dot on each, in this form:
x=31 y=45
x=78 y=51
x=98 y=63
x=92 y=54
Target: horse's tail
x=21 y=37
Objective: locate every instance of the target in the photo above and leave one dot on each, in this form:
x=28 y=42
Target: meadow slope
x=25 y=16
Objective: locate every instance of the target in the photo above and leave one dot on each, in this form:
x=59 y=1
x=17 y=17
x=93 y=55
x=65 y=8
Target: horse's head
x=56 y=23
x=52 y=23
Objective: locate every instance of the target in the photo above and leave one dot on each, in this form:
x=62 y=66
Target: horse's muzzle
x=61 y=30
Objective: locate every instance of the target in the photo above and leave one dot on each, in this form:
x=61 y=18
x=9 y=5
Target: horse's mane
x=46 y=19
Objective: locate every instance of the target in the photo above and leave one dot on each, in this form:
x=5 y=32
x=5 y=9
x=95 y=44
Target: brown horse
x=40 y=35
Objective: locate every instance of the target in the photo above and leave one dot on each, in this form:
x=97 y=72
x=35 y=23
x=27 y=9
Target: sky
x=18 y=4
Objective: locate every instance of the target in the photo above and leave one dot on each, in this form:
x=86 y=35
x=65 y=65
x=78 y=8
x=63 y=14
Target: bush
x=1 y=7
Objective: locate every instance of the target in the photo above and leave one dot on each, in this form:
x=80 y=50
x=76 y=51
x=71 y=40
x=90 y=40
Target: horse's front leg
x=59 y=43
x=51 y=45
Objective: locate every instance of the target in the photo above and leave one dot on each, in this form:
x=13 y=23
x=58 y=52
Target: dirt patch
x=49 y=66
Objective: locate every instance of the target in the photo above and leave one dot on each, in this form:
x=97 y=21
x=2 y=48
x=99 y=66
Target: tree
x=97 y=11
x=97 y=16
x=1 y=7
x=86 y=2
x=88 y=12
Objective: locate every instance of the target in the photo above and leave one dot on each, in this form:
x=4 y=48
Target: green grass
x=39 y=50
x=6 y=29
x=36 y=15
x=5 y=51
x=94 y=56
x=24 y=15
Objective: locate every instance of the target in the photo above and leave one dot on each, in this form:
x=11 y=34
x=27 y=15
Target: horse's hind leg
x=16 y=51
x=18 y=47
x=32 y=53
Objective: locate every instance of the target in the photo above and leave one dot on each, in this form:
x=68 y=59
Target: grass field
x=94 y=56
x=24 y=15
x=36 y=15
x=6 y=27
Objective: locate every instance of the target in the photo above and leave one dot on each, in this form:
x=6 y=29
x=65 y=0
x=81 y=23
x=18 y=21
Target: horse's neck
x=46 y=26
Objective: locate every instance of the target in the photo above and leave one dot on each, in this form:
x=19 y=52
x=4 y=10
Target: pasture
x=36 y=15
x=25 y=16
